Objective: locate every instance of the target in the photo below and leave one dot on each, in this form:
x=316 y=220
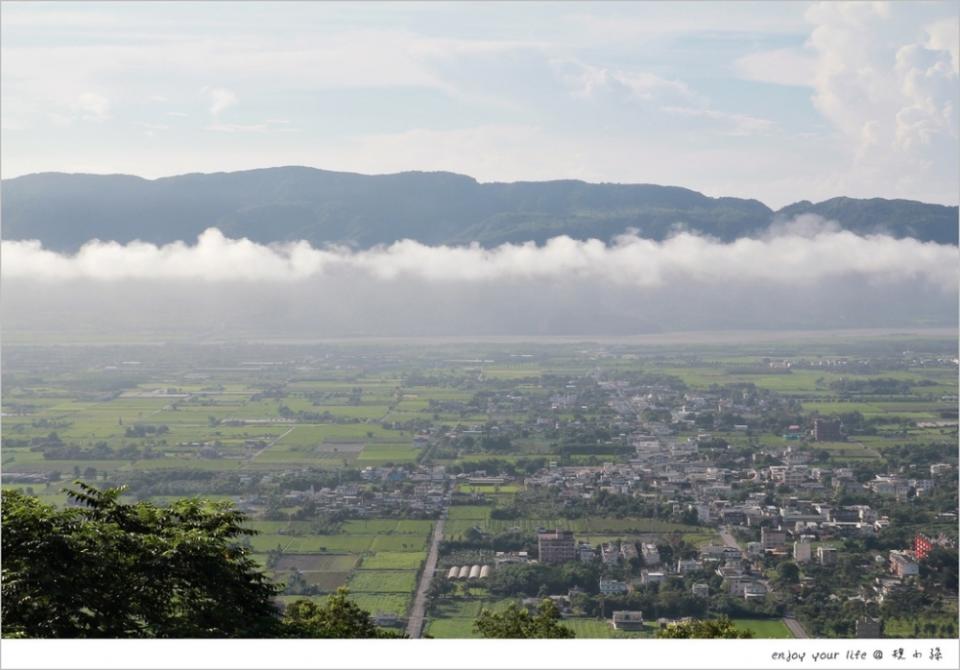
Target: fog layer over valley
x=806 y=251
x=805 y=274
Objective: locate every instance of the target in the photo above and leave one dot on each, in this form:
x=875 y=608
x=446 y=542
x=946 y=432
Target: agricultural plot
x=387 y=603
x=458 y=629
x=326 y=581
x=585 y=628
x=764 y=628
x=849 y=451
x=387 y=526
x=468 y=512
x=401 y=543
x=394 y=560
x=383 y=581
x=379 y=454
x=317 y=562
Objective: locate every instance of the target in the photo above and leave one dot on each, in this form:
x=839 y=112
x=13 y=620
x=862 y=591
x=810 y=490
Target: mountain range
x=64 y=211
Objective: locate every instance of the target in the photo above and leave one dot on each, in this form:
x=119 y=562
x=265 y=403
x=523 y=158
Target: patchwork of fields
x=296 y=438
x=379 y=560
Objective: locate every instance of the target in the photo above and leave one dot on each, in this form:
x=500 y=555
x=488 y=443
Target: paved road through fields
x=415 y=622
x=795 y=627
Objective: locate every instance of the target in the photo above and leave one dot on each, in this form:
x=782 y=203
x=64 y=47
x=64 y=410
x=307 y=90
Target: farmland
x=343 y=456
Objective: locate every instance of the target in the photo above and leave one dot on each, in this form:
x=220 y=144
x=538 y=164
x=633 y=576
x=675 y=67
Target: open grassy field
x=451 y=629
x=599 y=628
x=764 y=628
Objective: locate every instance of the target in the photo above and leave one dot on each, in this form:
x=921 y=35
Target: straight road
x=795 y=627
x=415 y=622
x=729 y=540
x=254 y=457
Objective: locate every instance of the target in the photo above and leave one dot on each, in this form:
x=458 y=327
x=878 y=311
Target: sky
x=775 y=101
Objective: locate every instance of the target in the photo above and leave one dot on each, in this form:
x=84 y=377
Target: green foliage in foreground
x=338 y=617
x=700 y=629
x=105 y=569
x=108 y=569
x=516 y=623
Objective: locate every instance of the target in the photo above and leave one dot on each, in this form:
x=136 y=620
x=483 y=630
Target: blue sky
x=780 y=102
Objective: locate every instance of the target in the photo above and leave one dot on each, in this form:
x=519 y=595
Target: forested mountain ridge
x=291 y=203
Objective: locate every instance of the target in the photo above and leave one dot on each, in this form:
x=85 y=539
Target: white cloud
x=265 y=127
x=944 y=35
x=586 y=81
x=220 y=99
x=806 y=253
x=886 y=82
x=741 y=124
x=92 y=107
x=789 y=67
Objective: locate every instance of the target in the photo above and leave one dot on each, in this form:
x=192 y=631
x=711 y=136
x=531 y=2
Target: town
x=803 y=490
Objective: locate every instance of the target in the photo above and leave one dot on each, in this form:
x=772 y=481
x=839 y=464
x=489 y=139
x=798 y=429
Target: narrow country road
x=254 y=457
x=417 y=613
x=795 y=627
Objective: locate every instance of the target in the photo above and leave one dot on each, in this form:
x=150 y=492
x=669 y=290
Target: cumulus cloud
x=900 y=121
x=807 y=251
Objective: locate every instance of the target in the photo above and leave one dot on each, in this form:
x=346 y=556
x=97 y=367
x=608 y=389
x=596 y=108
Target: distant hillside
x=293 y=203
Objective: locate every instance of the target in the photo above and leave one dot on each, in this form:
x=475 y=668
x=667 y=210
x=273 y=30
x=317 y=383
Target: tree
x=338 y=617
x=939 y=569
x=788 y=573
x=516 y=623
x=698 y=629
x=108 y=569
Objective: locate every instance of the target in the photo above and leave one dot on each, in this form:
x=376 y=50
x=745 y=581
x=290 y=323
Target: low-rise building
x=610 y=587
x=586 y=553
x=650 y=553
x=754 y=590
x=651 y=576
x=610 y=553
x=627 y=620
x=772 y=539
x=827 y=555
x=903 y=564
x=826 y=431
x=558 y=546
x=701 y=590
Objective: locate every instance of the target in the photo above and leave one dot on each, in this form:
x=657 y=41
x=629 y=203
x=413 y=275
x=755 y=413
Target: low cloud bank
x=808 y=251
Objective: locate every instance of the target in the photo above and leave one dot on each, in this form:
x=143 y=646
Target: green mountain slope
x=292 y=203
